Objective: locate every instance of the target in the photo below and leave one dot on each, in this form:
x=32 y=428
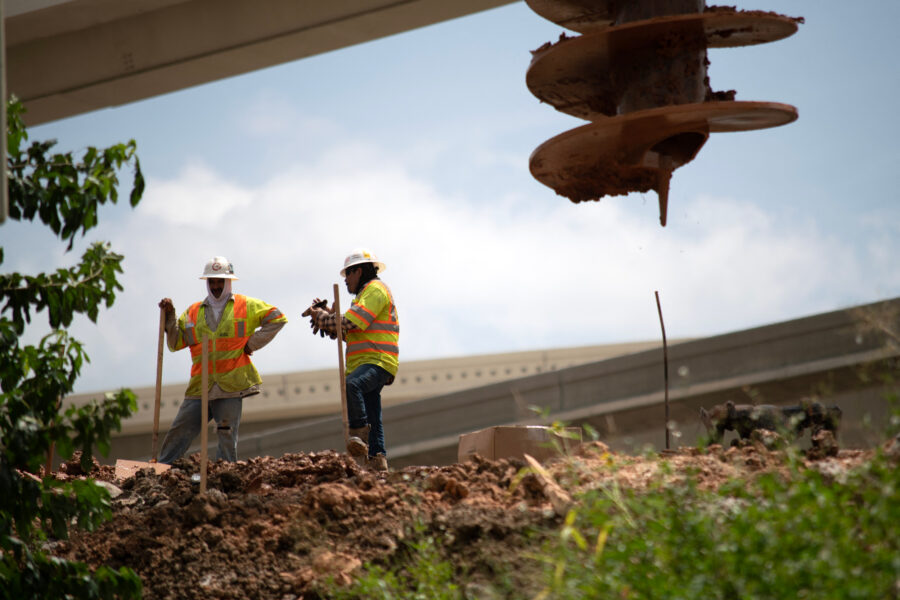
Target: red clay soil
x=274 y=528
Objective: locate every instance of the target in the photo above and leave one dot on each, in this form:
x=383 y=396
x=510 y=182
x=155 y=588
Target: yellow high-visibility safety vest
x=375 y=337
x=229 y=366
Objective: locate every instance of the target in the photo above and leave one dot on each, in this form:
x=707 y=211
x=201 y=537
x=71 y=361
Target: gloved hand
x=315 y=315
x=317 y=303
x=166 y=303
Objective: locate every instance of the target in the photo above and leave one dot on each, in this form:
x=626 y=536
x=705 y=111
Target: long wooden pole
x=158 y=397
x=49 y=467
x=338 y=317
x=665 y=365
x=204 y=413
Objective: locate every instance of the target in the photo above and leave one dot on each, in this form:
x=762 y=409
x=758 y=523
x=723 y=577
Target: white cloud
x=271 y=115
x=470 y=275
x=198 y=197
x=481 y=257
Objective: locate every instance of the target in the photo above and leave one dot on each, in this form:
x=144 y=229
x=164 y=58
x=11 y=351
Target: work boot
x=377 y=462
x=356 y=443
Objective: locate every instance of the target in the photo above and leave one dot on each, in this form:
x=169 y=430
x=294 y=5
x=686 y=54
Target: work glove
x=316 y=304
x=315 y=328
x=314 y=322
x=166 y=303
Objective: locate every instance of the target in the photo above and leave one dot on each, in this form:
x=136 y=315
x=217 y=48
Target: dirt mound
x=274 y=527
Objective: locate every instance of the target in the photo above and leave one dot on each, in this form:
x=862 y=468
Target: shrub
x=65 y=195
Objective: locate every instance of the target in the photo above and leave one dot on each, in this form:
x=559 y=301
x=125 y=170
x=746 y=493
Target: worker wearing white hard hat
x=236 y=326
x=218 y=267
x=372 y=331
x=361 y=256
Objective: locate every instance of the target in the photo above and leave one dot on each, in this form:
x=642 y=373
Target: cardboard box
x=127 y=468
x=516 y=441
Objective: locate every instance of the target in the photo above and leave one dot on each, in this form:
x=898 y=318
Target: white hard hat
x=360 y=256
x=218 y=267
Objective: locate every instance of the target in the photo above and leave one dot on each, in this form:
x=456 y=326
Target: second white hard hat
x=218 y=267
x=360 y=256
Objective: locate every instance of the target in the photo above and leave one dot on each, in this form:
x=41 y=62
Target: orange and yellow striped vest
x=375 y=337
x=229 y=366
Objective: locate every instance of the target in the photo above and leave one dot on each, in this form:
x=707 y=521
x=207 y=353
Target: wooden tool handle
x=158 y=397
x=204 y=413
x=338 y=318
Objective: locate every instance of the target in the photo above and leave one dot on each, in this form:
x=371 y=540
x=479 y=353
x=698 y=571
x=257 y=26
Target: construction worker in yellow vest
x=236 y=327
x=372 y=332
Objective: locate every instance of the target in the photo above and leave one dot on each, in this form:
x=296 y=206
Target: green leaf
x=65 y=195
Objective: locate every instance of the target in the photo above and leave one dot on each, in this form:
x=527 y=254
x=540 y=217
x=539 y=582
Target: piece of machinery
x=638 y=73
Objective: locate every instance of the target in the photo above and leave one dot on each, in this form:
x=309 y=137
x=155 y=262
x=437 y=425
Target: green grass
x=421 y=575
x=810 y=537
x=806 y=536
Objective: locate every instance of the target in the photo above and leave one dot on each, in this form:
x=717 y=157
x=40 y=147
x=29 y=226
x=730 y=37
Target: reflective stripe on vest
x=273 y=314
x=190 y=336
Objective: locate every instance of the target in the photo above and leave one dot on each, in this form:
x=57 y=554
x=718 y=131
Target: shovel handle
x=204 y=413
x=338 y=316
x=158 y=397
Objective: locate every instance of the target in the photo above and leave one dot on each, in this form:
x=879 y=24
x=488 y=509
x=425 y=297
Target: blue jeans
x=364 y=403
x=186 y=426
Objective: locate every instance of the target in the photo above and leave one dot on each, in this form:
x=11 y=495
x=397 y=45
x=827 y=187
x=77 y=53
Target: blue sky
x=417 y=146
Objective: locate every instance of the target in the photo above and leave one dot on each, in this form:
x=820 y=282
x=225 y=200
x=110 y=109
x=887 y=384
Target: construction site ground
x=280 y=527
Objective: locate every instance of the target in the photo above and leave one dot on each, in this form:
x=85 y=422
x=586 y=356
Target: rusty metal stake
x=665 y=365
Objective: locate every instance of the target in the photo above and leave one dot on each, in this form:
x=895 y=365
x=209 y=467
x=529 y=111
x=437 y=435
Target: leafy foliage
x=798 y=533
x=65 y=195
x=807 y=537
x=425 y=574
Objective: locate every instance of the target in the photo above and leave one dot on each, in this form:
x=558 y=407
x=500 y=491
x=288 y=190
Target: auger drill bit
x=638 y=74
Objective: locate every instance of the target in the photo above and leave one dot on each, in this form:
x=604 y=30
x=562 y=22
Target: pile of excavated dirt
x=274 y=528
